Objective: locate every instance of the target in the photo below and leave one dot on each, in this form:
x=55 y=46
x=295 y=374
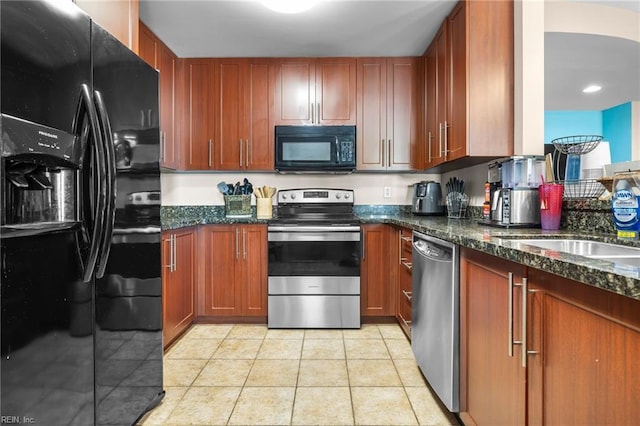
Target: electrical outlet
x=387 y=192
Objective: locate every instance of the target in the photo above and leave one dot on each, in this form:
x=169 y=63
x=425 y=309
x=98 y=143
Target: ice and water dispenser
x=39 y=178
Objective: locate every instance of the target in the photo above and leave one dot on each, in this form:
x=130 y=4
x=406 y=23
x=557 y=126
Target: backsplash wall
x=197 y=189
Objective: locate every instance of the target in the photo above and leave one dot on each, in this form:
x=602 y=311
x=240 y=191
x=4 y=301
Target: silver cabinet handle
x=170 y=241
x=407 y=323
x=318 y=113
x=389 y=141
x=429 y=143
x=407 y=239
x=244 y=245
x=248 y=152
x=525 y=294
x=175 y=252
x=240 y=152
x=511 y=285
x=237 y=247
x=383 y=152
x=439 y=139
x=400 y=258
x=364 y=238
x=408 y=265
x=446 y=139
x=162 y=147
x=407 y=294
x=210 y=149
x=313 y=115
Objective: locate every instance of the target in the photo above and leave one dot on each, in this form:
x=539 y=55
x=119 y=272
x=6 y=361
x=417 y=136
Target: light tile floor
x=250 y=375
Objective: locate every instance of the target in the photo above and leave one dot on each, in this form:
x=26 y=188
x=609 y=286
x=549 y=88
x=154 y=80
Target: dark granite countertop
x=601 y=273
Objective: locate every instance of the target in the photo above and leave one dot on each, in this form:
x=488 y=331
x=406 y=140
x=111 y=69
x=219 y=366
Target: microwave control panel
x=347 y=150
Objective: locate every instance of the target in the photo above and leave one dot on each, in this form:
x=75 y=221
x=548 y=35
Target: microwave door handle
x=338 y=151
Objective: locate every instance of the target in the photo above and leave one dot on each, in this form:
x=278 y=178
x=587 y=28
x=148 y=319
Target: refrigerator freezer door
x=46 y=316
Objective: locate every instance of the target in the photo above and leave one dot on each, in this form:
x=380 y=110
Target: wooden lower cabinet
x=233 y=267
x=403 y=265
x=376 y=283
x=178 y=282
x=587 y=369
x=492 y=380
x=582 y=365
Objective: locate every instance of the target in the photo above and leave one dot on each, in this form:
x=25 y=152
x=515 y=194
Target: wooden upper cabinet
x=158 y=55
x=244 y=114
x=196 y=121
x=228 y=123
x=120 y=18
x=315 y=91
x=387 y=107
x=474 y=73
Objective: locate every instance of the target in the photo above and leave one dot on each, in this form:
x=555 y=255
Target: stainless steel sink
x=586 y=248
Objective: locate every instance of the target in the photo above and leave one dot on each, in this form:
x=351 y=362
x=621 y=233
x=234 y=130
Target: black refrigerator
x=81 y=288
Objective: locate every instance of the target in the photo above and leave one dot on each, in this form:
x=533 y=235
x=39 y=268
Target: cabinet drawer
x=404 y=312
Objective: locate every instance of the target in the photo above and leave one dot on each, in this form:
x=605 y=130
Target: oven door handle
x=313 y=236
x=320 y=229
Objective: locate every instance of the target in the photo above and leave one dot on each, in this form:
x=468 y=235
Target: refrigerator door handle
x=110 y=172
x=86 y=107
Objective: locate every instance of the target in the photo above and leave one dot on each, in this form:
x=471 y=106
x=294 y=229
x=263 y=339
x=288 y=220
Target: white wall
x=200 y=188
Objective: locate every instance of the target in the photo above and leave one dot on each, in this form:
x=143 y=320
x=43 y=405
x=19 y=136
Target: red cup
x=550 y=205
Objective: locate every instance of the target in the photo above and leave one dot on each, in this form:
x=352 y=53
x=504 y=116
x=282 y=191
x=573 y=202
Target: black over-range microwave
x=309 y=149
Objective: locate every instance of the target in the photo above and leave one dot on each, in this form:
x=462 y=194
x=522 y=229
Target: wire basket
x=237 y=205
x=457 y=204
x=578 y=145
x=585 y=188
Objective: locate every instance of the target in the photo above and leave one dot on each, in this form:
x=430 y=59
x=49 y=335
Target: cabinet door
x=587 y=370
x=120 y=18
x=402 y=123
x=456 y=133
x=376 y=286
x=404 y=266
x=178 y=283
x=222 y=254
x=492 y=382
x=441 y=92
x=295 y=91
x=335 y=91
x=148 y=46
x=167 y=68
x=259 y=83
x=434 y=153
x=371 y=113
x=229 y=142
x=253 y=275
x=197 y=123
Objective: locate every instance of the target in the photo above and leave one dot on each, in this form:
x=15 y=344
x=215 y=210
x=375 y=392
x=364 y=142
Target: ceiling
x=244 y=28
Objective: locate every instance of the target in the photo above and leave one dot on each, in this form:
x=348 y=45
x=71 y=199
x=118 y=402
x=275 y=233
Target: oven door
x=311 y=251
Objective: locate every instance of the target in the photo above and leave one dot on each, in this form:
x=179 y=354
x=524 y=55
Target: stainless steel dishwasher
x=435 y=315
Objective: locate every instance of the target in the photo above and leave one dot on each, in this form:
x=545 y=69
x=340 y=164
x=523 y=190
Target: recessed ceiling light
x=290 y=6
x=591 y=89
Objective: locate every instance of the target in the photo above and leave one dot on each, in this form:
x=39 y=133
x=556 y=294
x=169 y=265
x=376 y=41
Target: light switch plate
x=387 y=192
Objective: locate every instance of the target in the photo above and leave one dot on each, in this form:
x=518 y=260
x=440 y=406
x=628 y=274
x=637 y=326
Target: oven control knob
x=285 y=196
x=338 y=196
x=293 y=196
x=347 y=196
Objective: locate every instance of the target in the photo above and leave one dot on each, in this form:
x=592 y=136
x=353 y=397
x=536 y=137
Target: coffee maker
x=427 y=198
x=514 y=199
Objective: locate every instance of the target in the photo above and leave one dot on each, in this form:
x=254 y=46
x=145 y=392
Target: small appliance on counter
x=427 y=198
x=514 y=198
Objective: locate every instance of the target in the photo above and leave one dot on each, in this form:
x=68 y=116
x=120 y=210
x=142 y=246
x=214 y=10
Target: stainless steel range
x=314 y=260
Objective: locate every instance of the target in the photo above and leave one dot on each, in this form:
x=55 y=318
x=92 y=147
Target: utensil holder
x=457 y=204
x=237 y=205
x=264 y=208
